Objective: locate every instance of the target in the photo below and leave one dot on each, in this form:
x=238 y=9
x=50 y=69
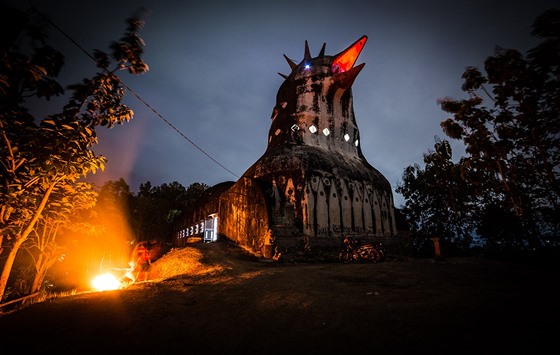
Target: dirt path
x=243 y=305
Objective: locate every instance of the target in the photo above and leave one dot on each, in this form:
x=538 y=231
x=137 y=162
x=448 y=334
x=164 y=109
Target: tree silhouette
x=510 y=126
x=43 y=157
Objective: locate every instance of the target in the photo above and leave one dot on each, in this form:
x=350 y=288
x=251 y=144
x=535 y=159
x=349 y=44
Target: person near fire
x=142 y=263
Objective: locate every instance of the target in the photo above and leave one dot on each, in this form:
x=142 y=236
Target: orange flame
x=106 y=282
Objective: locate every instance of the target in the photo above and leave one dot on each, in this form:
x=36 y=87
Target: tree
x=507 y=188
x=156 y=208
x=39 y=158
x=43 y=245
x=437 y=201
x=510 y=125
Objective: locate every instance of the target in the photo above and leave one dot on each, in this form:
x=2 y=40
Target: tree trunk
x=7 y=270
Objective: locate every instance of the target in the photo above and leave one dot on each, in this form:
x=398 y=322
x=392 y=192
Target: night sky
x=214 y=75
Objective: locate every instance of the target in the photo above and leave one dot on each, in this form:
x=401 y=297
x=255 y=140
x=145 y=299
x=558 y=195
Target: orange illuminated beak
x=343 y=64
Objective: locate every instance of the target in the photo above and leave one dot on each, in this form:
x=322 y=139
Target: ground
x=217 y=299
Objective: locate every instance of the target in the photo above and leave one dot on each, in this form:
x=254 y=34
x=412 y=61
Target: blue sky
x=214 y=74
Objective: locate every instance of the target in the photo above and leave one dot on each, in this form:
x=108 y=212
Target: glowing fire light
x=106 y=282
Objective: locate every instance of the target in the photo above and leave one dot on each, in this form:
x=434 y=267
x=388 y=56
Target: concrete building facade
x=312 y=185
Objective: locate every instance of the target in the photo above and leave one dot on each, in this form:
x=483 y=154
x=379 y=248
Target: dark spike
x=346 y=79
x=307 y=54
x=322 y=52
x=290 y=62
x=283 y=75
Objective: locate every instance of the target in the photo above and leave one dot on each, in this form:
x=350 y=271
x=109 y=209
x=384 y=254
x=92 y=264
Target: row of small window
x=326 y=132
x=192 y=230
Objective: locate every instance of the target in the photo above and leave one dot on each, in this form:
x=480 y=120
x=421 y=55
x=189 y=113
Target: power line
x=134 y=93
x=176 y=129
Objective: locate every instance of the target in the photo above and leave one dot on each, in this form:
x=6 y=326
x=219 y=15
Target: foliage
x=437 y=200
x=510 y=126
x=155 y=208
x=43 y=158
x=43 y=244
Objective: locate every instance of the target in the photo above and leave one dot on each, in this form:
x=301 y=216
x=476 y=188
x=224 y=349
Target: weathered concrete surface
x=312 y=185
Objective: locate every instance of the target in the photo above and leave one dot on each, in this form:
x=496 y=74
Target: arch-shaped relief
x=345 y=206
x=334 y=208
x=290 y=192
x=275 y=195
x=308 y=209
x=315 y=183
x=377 y=213
x=368 y=215
x=357 y=207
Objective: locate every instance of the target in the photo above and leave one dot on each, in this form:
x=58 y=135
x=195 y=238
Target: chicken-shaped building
x=312 y=185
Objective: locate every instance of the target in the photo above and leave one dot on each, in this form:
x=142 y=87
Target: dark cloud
x=214 y=64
